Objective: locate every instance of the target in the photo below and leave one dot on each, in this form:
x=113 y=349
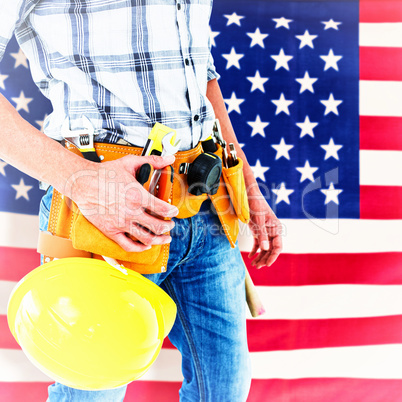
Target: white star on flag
x=258 y=82
x=306 y=39
x=233 y=19
x=282 y=149
x=22 y=102
x=331 y=61
x=234 y=103
x=259 y=171
x=331 y=105
x=306 y=83
x=233 y=58
x=282 y=22
x=331 y=24
x=282 y=105
x=331 y=194
x=41 y=123
x=257 y=38
x=258 y=126
x=20 y=59
x=307 y=127
x=21 y=189
x=3 y=77
x=282 y=194
x=307 y=172
x=331 y=149
x=2 y=166
x=212 y=36
x=281 y=60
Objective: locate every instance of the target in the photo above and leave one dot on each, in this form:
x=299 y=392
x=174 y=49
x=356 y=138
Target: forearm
x=214 y=95
x=32 y=152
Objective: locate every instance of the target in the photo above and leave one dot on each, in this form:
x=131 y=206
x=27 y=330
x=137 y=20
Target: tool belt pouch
x=230 y=201
x=234 y=180
x=67 y=222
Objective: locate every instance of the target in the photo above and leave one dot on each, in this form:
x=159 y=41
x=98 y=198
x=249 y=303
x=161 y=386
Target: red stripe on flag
x=381 y=133
x=380 y=202
x=380 y=11
x=380 y=63
x=138 y=391
x=322 y=269
x=326 y=390
x=269 y=335
x=7 y=341
x=155 y=391
x=298 y=390
x=15 y=263
x=23 y=391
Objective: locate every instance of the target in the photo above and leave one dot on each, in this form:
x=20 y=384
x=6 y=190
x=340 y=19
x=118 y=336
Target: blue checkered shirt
x=123 y=64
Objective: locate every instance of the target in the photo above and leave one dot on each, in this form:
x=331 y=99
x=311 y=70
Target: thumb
x=262 y=234
x=158 y=162
x=132 y=163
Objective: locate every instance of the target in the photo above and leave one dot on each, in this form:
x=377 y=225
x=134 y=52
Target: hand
x=111 y=198
x=266 y=229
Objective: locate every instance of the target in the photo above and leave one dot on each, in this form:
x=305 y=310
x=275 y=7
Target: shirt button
x=187 y=61
x=196 y=117
x=179 y=6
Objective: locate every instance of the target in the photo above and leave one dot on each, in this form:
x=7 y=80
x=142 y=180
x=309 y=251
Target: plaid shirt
x=123 y=64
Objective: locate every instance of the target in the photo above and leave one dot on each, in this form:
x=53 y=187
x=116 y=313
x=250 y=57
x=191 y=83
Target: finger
x=270 y=256
x=262 y=234
x=158 y=207
x=259 y=258
x=152 y=223
x=254 y=249
x=129 y=245
x=276 y=249
x=158 y=162
x=146 y=237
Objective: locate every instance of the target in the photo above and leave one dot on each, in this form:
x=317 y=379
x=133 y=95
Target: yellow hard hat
x=89 y=325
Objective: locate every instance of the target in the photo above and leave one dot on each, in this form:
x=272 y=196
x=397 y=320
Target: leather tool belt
x=70 y=234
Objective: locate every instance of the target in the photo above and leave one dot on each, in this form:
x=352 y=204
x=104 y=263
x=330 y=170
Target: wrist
x=78 y=175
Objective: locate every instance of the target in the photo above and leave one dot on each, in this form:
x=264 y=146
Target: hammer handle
x=253 y=299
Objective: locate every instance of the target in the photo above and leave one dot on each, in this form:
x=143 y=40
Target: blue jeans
x=205 y=277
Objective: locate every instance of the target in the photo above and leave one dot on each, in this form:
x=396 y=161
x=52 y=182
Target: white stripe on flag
x=18 y=230
x=6 y=287
x=16 y=367
x=381 y=168
x=300 y=302
x=380 y=34
x=380 y=98
x=305 y=236
x=382 y=361
x=301 y=236
x=330 y=301
x=340 y=362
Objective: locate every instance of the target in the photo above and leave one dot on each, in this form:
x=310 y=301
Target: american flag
x=314 y=91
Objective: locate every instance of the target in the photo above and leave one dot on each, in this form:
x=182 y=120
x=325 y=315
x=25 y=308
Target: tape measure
x=204 y=174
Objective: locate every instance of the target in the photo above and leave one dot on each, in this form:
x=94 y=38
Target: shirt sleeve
x=212 y=74
x=11 y=13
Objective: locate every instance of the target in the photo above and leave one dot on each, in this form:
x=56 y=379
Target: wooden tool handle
x=253 y=299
